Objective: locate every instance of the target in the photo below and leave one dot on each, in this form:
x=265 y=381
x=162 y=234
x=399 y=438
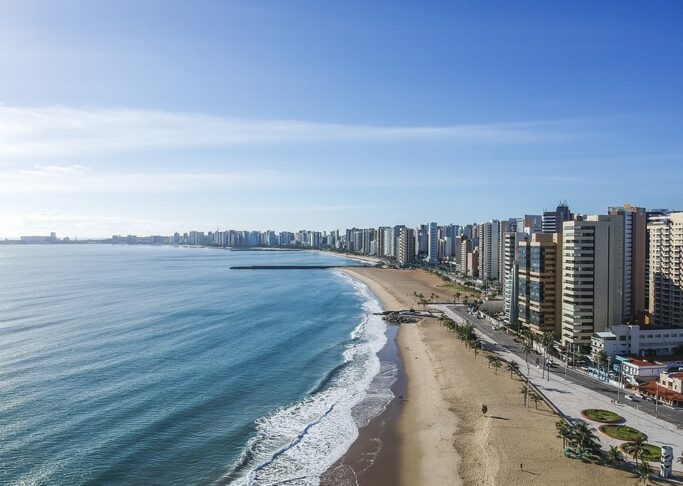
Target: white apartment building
x=592 y=278
x=489 y=250
x=666 y=270
x=637 y=341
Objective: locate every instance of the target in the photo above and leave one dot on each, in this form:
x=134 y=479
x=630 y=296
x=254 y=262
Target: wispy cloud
x=77 y=179
x=33 y=133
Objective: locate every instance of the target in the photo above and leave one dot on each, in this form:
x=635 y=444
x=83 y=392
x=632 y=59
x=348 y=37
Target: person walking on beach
x=521 y=466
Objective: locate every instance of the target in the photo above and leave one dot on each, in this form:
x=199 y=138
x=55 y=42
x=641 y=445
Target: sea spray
x=298 y=443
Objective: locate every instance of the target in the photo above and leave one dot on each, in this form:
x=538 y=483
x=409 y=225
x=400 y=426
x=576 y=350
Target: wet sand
x=442 y=438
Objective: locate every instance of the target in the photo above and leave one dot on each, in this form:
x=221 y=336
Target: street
x=506 y=342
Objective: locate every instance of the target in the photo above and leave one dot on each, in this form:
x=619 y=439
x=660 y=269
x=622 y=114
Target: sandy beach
x=443 y=438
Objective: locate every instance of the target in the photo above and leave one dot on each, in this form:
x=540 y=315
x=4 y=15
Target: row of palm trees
x=423 y=300
x=580 y=436
x=577 y=435
x=530 y=396
x=529 y=338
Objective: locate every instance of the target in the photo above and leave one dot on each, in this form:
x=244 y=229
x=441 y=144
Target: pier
x=293 y=267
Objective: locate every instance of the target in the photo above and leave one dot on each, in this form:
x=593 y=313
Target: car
x=631 y=398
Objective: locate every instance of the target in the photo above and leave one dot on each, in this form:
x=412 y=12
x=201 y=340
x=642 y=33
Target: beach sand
x=443 y=437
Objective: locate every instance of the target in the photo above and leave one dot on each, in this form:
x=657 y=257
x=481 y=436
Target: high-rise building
x=592 y=277
x=510 y=274
x=369 y=235
x=635 y=256
x=406 y=247
x=540 y=282
x=465 y=250
x=653 y=215
x=421 y=241
x=385 y=241
x=489 y=249
x=552 y=220
x=666 y=270
x=432 y=244
x=529 y=224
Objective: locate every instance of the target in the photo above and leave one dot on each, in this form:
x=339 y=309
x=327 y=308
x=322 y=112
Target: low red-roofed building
x=668 y=388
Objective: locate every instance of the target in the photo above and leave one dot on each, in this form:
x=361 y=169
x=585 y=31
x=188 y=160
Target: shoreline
x=441 y=435
x=410 y=458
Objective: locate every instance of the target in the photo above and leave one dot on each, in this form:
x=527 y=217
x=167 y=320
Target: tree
x=527 y=350
x=524 y=390
x=635 y=448
x=512 y=367
x=547 y=340
x=614 y=455
x=564 y=431
x=533 y=396
x=584 y=437
x=475 y=344
x=644 y=472
x=601 y=358
x=496 y=363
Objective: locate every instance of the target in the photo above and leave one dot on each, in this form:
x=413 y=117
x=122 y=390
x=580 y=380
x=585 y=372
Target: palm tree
x=635 y=448
x=512 y=367
x=496 y=363
x=564 y=431
x=524 y=390
x=614 y=455
x=585 y=437
x=547 y=340
x=527 y=350
x=644 y=472
x=533 y=396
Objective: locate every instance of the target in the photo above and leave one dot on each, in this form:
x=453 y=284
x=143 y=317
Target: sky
x=129 y=117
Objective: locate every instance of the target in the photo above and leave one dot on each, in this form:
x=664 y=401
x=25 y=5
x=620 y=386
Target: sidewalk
x=571 y=398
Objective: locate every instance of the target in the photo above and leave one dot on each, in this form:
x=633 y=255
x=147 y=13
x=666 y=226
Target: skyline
x=125 y=118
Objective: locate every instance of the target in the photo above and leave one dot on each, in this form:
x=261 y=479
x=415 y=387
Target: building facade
x=540 y=282
x=666 y=270
x=406 y=247
x=592 y=278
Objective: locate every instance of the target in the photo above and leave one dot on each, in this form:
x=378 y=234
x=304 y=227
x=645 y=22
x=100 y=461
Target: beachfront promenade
x=567 y=395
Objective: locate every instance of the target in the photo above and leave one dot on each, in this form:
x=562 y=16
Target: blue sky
x=151 y=117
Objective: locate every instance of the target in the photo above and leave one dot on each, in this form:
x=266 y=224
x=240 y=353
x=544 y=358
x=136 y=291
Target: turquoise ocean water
x=160 y=365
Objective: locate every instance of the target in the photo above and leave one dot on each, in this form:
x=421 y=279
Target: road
x=505 y=341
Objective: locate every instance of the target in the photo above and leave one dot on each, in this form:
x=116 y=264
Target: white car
x=631 y=398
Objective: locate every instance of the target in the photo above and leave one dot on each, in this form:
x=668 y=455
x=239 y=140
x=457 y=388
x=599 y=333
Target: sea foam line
x=296 y=444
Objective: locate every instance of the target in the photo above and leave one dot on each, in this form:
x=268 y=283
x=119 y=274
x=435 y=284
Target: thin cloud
x=27 y=133
x=76 y=179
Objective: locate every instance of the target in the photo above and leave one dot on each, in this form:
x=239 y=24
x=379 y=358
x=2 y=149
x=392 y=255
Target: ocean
x=160 y=365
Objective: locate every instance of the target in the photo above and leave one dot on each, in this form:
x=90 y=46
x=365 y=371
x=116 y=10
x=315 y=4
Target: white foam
x=296 y=444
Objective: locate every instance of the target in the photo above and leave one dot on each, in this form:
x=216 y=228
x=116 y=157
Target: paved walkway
x=570 y=398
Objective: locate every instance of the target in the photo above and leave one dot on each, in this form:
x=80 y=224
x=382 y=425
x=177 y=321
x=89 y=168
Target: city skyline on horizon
x=145 y=119
x=330 y=229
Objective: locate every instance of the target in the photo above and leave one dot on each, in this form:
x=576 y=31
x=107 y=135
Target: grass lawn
x=621 y=432
x=651 y=453
x=599 y=415
x=454 y=287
